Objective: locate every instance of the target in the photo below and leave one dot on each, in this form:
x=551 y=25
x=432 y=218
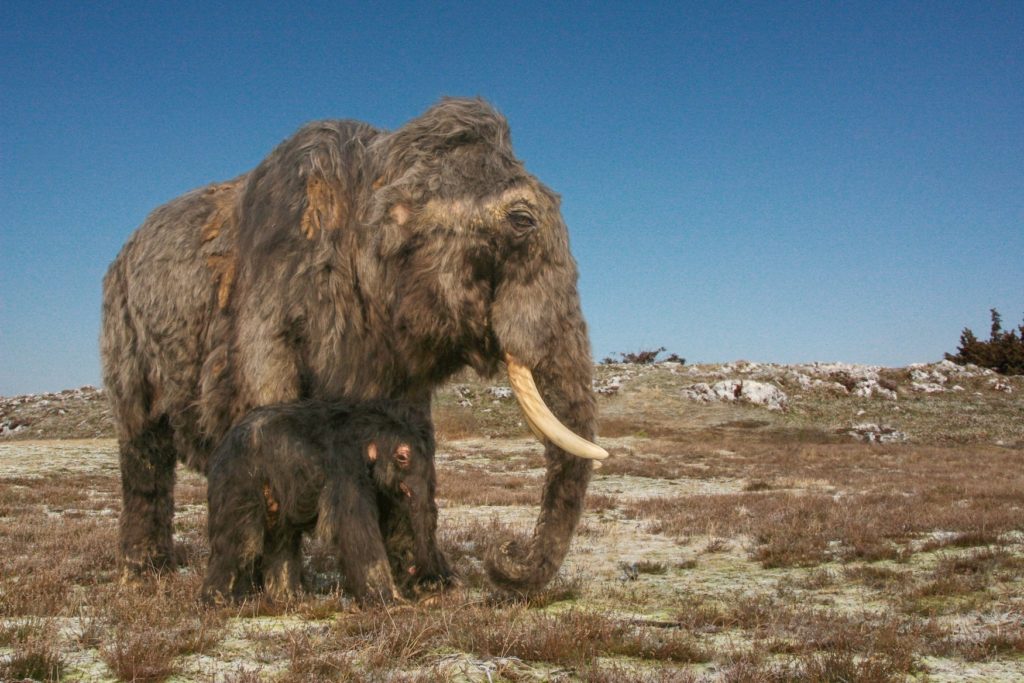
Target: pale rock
x=7 y=429
x=873 y=433
x=801 y=380
x=1000 y=385
x=610 y=386
x=921 y=376
x=744 y=391
x=870 y=387
x=950 y=368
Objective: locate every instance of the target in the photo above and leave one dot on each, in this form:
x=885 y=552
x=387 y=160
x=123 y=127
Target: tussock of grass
x=962 y=582
x=878 y=577
x=149 y=628
x=312 y=657
x=244 y=675
x=967 y=539
x=991 y=643
x=539 y=636
x=34 y=655
x=648 y=567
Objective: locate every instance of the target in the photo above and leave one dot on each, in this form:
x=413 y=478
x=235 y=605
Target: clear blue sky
x=774 y=181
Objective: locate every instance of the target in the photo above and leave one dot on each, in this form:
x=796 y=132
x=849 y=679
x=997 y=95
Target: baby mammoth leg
x=236 y=548
x=349 y=522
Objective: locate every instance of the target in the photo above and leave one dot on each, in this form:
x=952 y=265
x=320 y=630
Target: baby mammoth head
x=401 y=462
x=400 y=468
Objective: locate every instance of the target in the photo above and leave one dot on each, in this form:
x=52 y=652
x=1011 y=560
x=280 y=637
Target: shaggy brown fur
x=352 y=471
x=354 y=263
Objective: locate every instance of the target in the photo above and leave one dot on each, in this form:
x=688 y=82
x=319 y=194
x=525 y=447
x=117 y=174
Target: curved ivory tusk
x=540 y=418
x=540 y=437
x=533 y=428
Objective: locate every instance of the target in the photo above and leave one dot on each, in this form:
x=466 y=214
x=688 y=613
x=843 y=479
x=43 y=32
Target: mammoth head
x=480 y=256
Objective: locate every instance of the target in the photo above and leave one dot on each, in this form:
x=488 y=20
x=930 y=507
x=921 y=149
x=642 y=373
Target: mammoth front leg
x=147 y=486
x=348 y=521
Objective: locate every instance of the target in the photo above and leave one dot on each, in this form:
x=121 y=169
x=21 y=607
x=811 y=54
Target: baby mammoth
x=356 y=473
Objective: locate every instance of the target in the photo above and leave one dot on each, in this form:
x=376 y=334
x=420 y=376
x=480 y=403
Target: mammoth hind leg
x=147 y=492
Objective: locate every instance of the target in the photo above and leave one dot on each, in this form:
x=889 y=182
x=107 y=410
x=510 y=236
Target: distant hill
x=923 y=403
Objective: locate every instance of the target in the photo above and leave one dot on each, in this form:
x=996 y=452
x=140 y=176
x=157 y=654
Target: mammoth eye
x=402 y=454
x=521 y=221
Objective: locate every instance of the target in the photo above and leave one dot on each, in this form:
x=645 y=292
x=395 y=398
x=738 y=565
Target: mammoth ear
x=403 y=454
x=371 y=452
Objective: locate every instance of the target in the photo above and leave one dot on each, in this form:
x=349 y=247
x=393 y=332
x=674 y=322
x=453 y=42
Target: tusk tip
x=596 y=453
x=542 y=422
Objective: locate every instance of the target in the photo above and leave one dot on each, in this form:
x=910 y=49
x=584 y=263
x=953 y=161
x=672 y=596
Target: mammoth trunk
x=424 y=526
x=564 y=381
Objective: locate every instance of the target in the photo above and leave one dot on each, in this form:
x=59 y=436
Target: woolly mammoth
x=347 y=471
x=351 y=263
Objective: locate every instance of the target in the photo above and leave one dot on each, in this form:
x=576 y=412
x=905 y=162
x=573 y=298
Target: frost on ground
x=849 y=536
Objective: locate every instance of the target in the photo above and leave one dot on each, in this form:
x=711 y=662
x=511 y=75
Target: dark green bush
x=644 y=357
x=1003 y=352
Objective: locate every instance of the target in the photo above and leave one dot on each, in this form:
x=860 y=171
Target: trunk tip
x=511 y=566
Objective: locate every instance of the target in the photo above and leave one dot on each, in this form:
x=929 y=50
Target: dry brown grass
x=150 y=624
x=34 y=654
x=765 y=546
x=869 y=505
x=1001 y=641
x=477 y=485
x=454 y=422
x=144 y=630
x=568 y=638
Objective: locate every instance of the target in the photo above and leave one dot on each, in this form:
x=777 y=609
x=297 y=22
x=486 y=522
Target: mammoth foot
x=380 y=587
x=419 y=584
x=282 y=581
x=144 y=558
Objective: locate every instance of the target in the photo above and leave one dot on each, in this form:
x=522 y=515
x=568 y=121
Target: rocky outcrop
x=69 y=414
x=743 y=391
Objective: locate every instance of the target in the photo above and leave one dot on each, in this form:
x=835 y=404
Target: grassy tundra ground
x=870 y=530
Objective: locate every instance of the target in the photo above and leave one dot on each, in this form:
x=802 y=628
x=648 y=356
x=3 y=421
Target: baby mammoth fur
x=351 y=472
